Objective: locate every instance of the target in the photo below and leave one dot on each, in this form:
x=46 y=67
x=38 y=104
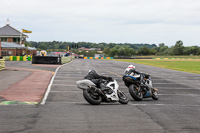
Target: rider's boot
x=105 y=89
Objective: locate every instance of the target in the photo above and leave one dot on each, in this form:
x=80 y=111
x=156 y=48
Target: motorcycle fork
x=93 y=90
x=139 y=89
x=154 y=89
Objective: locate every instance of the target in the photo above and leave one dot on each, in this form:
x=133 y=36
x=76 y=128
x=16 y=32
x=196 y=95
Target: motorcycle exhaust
x=99 y=91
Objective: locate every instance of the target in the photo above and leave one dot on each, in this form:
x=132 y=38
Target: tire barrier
x=21 y=58
x=2 y=64
x=29 y=58
x=17 y=58
x=11 y=58
x=98 y=57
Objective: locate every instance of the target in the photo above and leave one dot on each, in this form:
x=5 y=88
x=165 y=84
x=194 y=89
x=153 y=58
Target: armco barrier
x=2 y=64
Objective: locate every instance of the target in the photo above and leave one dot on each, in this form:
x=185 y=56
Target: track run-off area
x=63 y=108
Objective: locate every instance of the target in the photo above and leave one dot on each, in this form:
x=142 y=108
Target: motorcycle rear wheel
x=123 y=99
x=90 y=98
x=135 y=92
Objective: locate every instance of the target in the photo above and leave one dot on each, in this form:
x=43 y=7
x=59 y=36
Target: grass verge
x=186 y=65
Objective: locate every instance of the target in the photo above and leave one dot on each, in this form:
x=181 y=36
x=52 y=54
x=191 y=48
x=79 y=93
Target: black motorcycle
x=140 y=86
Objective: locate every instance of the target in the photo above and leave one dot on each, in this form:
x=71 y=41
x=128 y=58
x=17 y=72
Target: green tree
x=113 y=52
x=129 y=51
x=121 y=52
x=143 y=51
x=43 y=46
x=93 y=45
x=178 y=48
x=146 y=51
x=162 y=48
x=191 y=50
x=161 y=45
x=106 y=51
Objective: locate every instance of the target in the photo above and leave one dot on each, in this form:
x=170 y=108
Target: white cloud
x=120 y=21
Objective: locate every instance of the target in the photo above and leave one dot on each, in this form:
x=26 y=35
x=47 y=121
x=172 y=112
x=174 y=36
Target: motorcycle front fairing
x=128 y=80
x=149 y=85
x=114 y=86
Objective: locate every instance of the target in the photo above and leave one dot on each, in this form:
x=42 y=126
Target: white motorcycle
x=95 y=96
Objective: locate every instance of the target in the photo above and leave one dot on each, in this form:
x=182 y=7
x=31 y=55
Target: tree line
x=118 y=49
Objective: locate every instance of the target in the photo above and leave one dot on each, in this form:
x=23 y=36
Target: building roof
x=87 y=49
x=76 y=55
x=7 y=30
x=11 y=45
x=83 y=48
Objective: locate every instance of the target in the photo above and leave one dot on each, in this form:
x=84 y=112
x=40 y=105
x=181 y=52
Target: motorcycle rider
x=96 y=79
x=130 y=70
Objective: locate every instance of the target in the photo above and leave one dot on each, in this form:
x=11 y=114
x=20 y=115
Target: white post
x=21 y=38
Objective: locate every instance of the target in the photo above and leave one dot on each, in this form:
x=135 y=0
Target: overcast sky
x=117 y=21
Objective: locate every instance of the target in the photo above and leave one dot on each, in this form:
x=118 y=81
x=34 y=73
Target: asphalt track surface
x=65 y=110
x=24 y=82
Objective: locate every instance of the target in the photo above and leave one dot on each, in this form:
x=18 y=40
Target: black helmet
x=92 y=71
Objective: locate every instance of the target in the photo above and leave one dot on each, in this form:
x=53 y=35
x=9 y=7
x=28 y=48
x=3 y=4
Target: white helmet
x=131 y=67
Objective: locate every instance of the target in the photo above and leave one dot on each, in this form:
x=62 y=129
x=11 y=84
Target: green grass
x=187 y=65
x=172 y=56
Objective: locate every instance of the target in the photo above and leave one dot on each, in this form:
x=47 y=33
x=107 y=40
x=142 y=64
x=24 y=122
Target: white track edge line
x=50 y=84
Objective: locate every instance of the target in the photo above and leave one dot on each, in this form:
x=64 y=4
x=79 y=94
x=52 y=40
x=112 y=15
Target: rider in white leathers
x=130 y=70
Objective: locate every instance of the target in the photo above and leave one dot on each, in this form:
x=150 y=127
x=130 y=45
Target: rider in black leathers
x=96 y=78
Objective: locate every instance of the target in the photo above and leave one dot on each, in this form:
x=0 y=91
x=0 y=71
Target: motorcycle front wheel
x=155 y=94
x=135 y=92
x=91 y=98
x=123 y=99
